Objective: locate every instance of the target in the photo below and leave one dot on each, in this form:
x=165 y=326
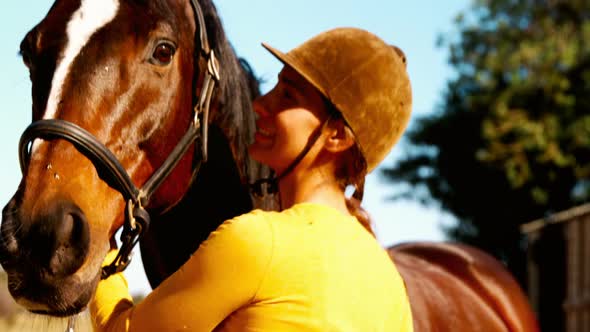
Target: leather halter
x=109 y=168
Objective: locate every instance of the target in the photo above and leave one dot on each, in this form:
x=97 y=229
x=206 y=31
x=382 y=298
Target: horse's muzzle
x=54 y=243
x=41 y=253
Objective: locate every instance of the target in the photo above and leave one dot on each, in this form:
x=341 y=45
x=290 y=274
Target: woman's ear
x=339 y=138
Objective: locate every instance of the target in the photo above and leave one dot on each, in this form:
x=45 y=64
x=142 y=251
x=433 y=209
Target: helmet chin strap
x=270 y=185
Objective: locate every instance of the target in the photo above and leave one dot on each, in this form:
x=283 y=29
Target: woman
x=341 y=102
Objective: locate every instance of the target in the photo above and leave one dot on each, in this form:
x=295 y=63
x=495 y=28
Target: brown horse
x=114 y=97
x=117 y=87
x=455 y=287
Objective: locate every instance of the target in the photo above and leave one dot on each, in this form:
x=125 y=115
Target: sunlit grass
x=24 y=321
x=15 y=319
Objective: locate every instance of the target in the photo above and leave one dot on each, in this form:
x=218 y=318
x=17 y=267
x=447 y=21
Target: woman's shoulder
x=246 y=235
x=252 y=225
x=254 y=218
x=269 y=222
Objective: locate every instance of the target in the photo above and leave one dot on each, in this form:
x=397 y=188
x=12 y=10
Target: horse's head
x=123 y=71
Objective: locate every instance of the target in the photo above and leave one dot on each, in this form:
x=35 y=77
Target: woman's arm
x=221 y=276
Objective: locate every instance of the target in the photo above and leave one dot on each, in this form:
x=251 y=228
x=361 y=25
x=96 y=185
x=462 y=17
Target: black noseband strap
x=107 y=165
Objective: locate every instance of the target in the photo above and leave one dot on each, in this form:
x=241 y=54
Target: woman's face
x=287 y=117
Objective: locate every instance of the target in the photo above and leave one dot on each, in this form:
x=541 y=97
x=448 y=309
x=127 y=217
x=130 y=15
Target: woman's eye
x=163 y=54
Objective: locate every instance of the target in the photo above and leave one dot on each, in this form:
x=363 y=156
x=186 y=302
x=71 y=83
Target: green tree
x=510 y=141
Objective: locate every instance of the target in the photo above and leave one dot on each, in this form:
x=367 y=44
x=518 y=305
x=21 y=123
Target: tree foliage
x=510 y=141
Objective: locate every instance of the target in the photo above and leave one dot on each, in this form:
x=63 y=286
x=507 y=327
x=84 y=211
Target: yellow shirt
x=307 y=268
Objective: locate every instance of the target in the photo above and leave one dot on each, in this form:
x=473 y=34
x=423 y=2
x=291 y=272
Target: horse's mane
x=238 y=86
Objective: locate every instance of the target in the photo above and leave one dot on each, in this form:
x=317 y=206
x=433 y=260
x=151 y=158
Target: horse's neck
x=217 y=194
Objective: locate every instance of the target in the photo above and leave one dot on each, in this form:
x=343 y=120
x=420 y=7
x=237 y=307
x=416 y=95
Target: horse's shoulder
x=472 y=266
x=448 y=255
x=459 y=272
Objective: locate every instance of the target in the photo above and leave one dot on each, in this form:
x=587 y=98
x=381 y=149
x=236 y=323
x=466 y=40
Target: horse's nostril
x=71 y=243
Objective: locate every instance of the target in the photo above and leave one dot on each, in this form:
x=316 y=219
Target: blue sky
x=412 y=25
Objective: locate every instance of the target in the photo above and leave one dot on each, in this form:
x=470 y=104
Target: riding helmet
x=364 y=78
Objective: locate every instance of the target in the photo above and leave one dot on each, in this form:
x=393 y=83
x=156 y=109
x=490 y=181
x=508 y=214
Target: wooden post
x=533 y=272
x=574 y=224
x=584 y=221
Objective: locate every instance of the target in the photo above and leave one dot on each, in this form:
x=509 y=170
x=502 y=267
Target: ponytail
x=352 y=171
x=357 y=211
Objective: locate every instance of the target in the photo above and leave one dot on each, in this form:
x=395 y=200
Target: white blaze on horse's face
x=87 y=20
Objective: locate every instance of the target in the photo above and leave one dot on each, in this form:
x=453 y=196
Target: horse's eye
x=163 y=53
